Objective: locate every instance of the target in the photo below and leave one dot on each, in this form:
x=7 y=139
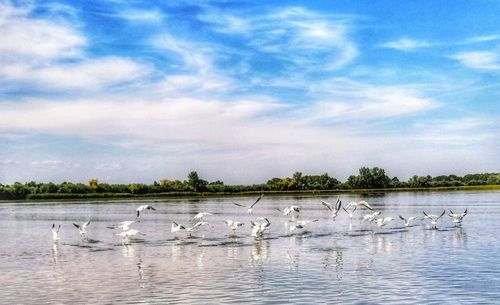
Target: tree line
x=367 y=178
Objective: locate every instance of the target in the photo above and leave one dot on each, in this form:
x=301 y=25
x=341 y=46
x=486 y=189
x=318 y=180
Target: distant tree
x=194 y=181
x=94 y=185
x=369 y=178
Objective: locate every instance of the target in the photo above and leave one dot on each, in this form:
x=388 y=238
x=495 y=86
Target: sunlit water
x=344 y=262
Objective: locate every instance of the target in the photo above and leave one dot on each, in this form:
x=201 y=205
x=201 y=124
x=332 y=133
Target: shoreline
x=105 y=197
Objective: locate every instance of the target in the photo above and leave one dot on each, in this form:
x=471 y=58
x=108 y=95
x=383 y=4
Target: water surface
x=343 y=262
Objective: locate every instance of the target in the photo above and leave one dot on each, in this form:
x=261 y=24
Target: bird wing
x=402 y=218
x=327 y=204
x=338 y=204
x=258 y=199
x=151 y=208
x=85 y=225
x=444 y=211
x=138 y=213
x=77 y=226
x=464 y=213
x=240 y=205
x=427 y=216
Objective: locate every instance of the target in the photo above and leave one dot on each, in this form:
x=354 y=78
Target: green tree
x=195 y=182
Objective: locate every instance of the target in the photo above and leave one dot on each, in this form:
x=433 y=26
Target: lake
x=341 y=262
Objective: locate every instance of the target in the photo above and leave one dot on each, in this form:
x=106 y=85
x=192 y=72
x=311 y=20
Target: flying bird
x=176 y=227
x=433 y=218
x=250 y=208
x=292 y=211
x=196 y=226
x=83 y=228
x=55 y=232
x=457 y=218
x=350 y=213
x=383 y=221
x=259 y=226
x=200 y=216
x=144 y=207
x=359 y=203
x=370 y=217
x=233 y=225
x=334 y=208
x=407 y=221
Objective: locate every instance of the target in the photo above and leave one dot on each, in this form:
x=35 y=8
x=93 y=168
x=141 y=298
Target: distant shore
x=194 y=195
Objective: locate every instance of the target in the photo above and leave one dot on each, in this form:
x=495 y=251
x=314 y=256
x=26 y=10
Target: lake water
x=341 y=262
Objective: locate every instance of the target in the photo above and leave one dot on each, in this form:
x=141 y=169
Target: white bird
x=433 y=218
x=196 y=226
x=259 y=226
x=334 y=208
x=359 y=203
x=125 y=225
x=201 y=215
x=250 y=207
x=292 y=211
x=144 y=207
x=126 y=235
x=83 y=228
x=350 y=213
x=370 y=217
x=382 y=221
x=300 y=224
x=407 y=221
x=176 y=227
x=233 y=225
x=457 y=218
x=55 y=232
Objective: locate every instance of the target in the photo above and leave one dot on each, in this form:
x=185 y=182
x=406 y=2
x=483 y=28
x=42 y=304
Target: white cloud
x=35 y=40
x=142 y=16
x=481 y=60
x=295 y=35
x=89 y=75
x=347 y=100
x=484 y=38
x=46 y=162
x=406 y=44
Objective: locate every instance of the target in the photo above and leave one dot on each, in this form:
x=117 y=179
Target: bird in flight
x=334 y=208
x=250 y=207
x=142 y=208
x=82 y=229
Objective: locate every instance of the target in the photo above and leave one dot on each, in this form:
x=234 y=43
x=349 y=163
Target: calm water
x=344 y=262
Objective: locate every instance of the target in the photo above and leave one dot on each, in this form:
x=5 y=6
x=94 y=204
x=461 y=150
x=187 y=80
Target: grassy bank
x=128 y=196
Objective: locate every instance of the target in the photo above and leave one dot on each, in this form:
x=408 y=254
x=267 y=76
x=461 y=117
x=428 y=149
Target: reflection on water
x=394 y=264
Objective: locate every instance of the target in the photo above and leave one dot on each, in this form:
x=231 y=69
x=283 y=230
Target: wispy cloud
x=483 y=38
x=406 y=44
x=481 y=60
x=295 y=34
x=344 y=99
x=141 y=16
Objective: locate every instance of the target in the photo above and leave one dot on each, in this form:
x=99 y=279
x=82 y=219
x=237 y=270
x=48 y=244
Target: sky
x=244 y=91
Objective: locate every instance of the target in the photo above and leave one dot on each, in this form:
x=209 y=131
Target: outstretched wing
x=77 y=226
x=327 y=204
x=425 y=214
x=240 y=205
x=258 y=199
x=444 y=211
x=402 y=218
x=338 y=204
x=85 y=225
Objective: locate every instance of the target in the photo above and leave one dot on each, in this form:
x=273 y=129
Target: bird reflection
x=55 y=252
x=459 y=237
x=260 y=250
x=334 y=261
x=145 y=273
x=128 y=251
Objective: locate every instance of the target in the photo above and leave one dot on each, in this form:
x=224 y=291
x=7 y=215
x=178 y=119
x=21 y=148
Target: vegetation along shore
x=368 y=180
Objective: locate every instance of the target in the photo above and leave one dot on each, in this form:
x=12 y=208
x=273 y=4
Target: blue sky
x=129 y=91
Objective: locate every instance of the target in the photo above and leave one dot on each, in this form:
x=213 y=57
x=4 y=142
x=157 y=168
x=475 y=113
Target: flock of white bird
x=261 y=224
